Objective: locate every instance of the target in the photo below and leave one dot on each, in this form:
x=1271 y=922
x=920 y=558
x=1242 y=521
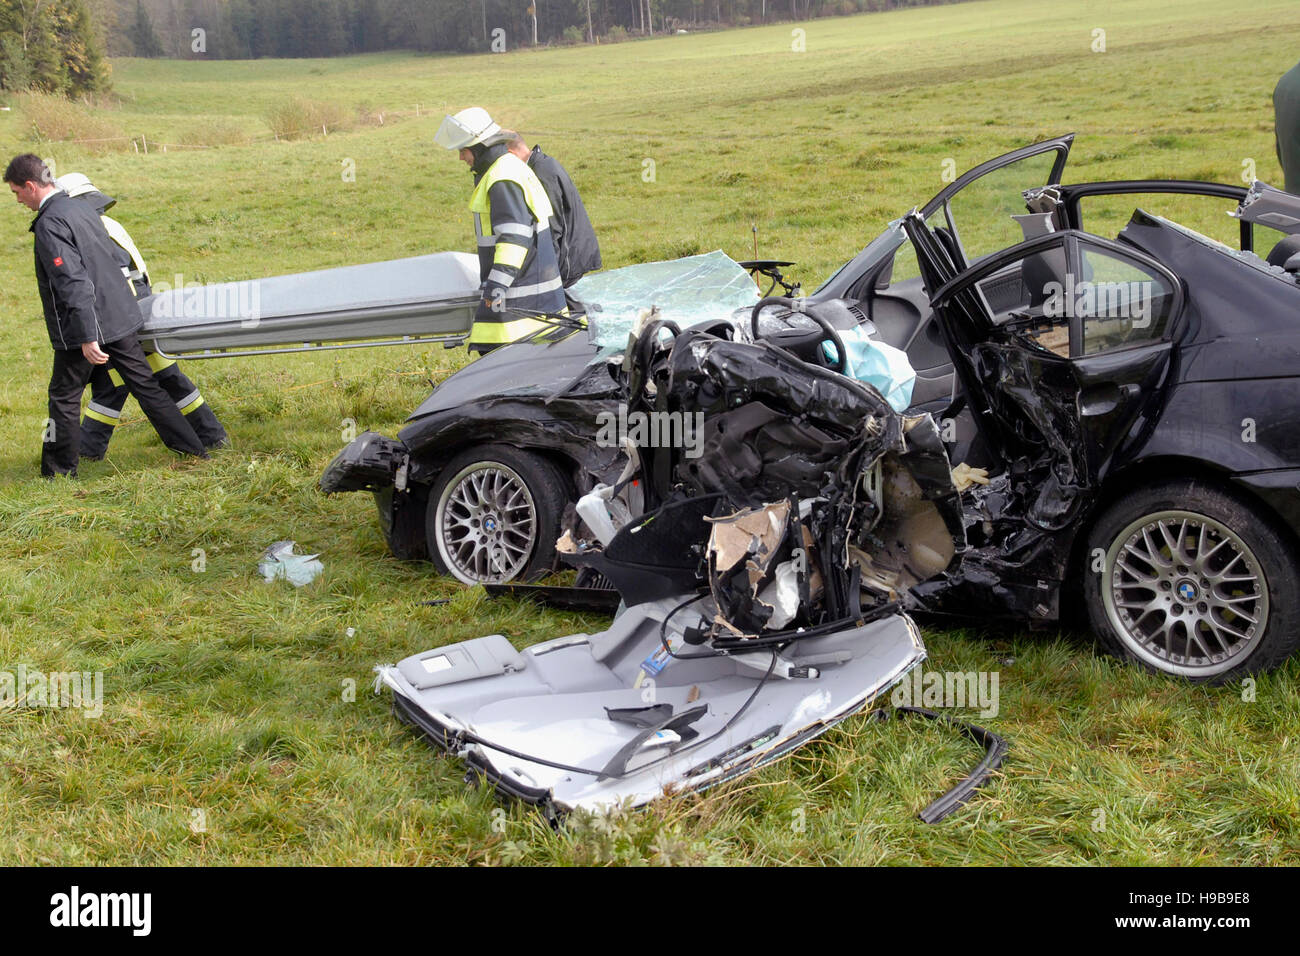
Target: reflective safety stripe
x=190 y=402
x=510 y=254
x=118 y=234
x=497 y=277
x=499 y=333
x=102 y=413
x=157 y=362
x=115 y=377
x=513 y=169
x=513 y=229
x=516 y=291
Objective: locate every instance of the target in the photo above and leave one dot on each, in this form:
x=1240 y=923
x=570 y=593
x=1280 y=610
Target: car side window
x=1120 y=303
x=982 y=212
x=1107 y=215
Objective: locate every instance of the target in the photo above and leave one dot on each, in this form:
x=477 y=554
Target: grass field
x=230 y=731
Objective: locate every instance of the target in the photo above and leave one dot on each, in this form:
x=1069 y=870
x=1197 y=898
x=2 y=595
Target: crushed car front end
x=765 y=576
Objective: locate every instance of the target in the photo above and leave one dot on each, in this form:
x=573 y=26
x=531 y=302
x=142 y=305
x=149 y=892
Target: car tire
x=1188 y=579
x=494 y=514
x=402 y=520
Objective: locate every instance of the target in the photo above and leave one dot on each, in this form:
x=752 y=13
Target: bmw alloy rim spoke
x=488 y=525
x=1186 y=593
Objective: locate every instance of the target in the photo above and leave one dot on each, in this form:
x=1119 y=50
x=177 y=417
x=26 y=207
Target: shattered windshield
x=690 y=291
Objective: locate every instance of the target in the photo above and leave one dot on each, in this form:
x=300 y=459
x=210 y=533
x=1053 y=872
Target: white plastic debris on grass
x=279 y=561
x=880 y=365
x=689 y=291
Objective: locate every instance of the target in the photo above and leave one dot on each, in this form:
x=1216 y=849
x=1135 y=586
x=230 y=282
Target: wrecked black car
x=1118 y=410
x=763 y=584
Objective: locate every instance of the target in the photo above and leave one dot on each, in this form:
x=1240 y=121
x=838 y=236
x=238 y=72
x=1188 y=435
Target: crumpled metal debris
x=800 y=471
x=742 y=553
x=279 y=561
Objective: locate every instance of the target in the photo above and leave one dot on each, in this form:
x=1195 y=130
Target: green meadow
x=238 y=723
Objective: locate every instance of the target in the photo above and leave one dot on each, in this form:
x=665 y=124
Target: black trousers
x=68 y=380
x=107 y=399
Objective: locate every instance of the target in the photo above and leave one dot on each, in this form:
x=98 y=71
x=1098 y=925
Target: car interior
x=1118 y=300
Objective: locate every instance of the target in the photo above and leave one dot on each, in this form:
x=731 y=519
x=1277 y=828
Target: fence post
x=146 y=144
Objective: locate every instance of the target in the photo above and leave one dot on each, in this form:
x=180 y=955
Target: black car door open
x=1074 y=373
x=1125 y=308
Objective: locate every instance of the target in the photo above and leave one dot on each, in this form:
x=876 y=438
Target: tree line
x=60 y=45
x=51 y=45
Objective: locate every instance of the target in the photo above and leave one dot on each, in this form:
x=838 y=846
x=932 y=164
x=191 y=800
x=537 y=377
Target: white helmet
x=75 y=184
x=79 y=184
x=466 y=128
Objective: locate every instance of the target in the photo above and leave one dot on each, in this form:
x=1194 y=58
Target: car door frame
x=870 y=266
x=942 y=200
x=1072 y=194
x=1113 y=388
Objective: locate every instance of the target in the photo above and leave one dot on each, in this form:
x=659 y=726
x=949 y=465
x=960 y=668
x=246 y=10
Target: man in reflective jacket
x=108 y=391
x=521 y=293
x=91 y=316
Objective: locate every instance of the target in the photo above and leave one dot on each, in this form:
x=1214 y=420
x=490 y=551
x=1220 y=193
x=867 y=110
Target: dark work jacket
x=83 y=292
x=575 y=239
x=1286 y=115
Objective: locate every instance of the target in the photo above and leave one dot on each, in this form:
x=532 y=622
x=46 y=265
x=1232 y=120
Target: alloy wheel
x=486 y=523
x=1185 y=593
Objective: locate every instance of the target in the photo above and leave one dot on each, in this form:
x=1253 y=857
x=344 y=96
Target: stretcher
x=428 y=298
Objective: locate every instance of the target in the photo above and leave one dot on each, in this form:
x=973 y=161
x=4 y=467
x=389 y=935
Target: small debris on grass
x=279 y=561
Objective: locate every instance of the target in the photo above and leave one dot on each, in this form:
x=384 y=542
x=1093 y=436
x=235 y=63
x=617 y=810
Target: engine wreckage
x=766 y=572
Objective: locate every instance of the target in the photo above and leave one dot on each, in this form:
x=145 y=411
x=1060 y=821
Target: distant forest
x=241 y=29
x=59 y=46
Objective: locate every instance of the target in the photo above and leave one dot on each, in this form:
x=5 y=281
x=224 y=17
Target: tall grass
x=298 y=117
x=52 y=118
x=216 y=132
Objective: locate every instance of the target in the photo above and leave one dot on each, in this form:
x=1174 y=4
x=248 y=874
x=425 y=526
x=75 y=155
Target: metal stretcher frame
x=400 y=302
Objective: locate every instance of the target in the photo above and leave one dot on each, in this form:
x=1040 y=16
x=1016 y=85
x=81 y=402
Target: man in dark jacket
x=108 y=391
x=91 y=316
x=1286 y=126
x=575 y=239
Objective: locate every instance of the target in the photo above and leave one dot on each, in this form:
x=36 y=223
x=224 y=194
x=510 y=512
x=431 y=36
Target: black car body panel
x=1213 y=390
x=537 y=395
